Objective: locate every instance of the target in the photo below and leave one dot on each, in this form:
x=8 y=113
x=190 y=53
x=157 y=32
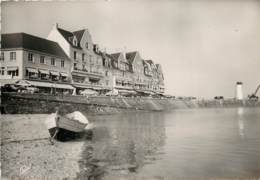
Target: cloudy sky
x=204 y=46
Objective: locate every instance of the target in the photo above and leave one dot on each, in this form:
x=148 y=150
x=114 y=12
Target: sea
x=213 y=143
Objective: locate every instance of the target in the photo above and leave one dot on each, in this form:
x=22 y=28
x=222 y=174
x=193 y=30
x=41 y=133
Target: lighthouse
x=239 y=91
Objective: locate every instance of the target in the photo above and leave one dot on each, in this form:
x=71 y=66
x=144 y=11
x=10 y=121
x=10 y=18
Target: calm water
x=193 y=143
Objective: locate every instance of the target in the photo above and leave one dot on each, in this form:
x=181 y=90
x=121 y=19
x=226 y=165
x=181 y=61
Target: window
x=42 y=59
x=75 y=42
x=2 y=58
x=83 y=56
x=31 y=73
x=90 y=59
x=86 y=45
x=2 y=71
x=75 y=55
x=30 y=57
x=12 y=56
x=115 y=64
x=53 y=63
x=62 y=63
x=44 y=76
x=127 y=67
x=13 y=72
x=104 y=62
x=84 y=67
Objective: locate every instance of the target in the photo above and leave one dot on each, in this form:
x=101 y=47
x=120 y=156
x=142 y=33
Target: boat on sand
x=66 y=126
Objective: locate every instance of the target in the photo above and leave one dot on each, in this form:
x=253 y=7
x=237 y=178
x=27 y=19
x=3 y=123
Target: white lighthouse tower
x=239 y=91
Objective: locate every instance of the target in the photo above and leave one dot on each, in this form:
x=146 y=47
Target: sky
x=204 y=46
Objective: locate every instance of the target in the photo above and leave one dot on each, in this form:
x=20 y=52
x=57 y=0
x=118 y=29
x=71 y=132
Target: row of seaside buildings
x=70 y=61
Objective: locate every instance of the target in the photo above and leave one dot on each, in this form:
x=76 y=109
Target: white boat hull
x=68 y=122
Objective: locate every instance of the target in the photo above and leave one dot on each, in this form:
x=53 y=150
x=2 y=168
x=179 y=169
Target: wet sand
x=28 y=154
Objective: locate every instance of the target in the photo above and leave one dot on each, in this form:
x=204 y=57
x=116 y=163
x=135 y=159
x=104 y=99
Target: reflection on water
x=240 y=112
x=194 y=143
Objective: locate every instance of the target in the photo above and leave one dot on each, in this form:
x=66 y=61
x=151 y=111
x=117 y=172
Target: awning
x=97 y=88
x=54 y=73
x=88 y=86
x=64 y=74
x=139 y=83
x=14 y=68
x=88 y=92
x=40 y=84
x=94 y=78
x=44 y=71
x=143 y=91
x=50 y=85
x=81 y=85
x=126 y=91
x=63 y=86
x=32 y=70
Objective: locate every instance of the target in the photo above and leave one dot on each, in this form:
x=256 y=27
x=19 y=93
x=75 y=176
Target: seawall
x=13 y=103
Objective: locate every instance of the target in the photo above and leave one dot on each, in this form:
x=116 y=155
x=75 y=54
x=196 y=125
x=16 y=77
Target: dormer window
x=96 y=48
x=75 y=42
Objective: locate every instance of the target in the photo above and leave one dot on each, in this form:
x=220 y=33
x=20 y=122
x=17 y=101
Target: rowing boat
x=74 y=122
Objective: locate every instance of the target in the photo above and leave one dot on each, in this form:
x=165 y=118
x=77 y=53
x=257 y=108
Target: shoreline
x=28 y=154
x=13 y=103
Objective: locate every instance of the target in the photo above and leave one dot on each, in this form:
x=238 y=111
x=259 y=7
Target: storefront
x=49 y=87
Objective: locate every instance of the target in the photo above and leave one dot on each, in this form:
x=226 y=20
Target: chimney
x=239 y=91
x=124 y=52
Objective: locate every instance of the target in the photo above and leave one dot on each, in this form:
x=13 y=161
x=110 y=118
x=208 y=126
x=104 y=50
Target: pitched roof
x=67 y=35
x=108 y=55
x=79 y=34
x=149 y=61
x=144 y=62
x=27 y=41
x=115 y=56
x=158 y=66
x=130 y=56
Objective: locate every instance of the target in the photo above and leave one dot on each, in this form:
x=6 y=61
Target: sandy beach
x=28 y=154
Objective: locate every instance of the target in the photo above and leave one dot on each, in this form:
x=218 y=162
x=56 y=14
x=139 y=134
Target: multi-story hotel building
x=137 y=70
x=39 y=62
x=72 y=58
x=126 y=72
x=154 y=76
x=87 y=67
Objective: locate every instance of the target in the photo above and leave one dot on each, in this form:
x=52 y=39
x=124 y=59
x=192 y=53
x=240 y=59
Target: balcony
x=85 y=73
x=59 y=79
x=119 y=86
x=96 y=86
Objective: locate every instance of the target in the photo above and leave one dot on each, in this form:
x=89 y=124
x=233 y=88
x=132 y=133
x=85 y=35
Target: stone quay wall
x=13 y=103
